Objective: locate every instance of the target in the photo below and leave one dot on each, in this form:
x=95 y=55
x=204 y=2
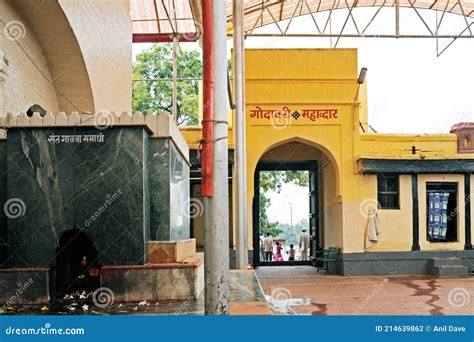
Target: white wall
x=22 y=85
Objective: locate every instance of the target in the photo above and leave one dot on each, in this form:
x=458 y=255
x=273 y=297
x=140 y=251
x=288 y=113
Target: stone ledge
x=24 y=286
x=23 y=270
x=396 y=263
x=153 y=282
x=170 y=251
x=192 y=262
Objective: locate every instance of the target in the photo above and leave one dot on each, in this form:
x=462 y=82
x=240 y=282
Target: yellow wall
x=396 y=224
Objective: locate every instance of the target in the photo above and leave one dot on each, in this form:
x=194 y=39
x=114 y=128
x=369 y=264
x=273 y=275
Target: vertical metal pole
x=217 y=231
x=240 y=214
x=416 y=219
x=175 y=76
x=467 y=211
x=291 y=220
x=397 y=18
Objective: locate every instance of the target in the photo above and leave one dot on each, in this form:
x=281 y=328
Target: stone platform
x=152 y=282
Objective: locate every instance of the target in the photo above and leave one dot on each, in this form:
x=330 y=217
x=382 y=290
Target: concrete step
x=435 y=262
x=447 y=271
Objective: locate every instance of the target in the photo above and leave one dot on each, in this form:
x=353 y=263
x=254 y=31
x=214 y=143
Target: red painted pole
x=207 y=126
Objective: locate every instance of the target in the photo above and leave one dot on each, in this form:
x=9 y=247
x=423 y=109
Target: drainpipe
x=216 y=233
x=240 y=143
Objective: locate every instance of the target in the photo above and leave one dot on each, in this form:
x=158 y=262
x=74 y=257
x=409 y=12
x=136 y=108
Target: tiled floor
x=377 y=295
x=246 y=298
x=300 y=290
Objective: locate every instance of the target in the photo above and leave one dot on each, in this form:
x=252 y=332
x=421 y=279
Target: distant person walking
x=304 y=245
x=268 y=247
x=278 y=256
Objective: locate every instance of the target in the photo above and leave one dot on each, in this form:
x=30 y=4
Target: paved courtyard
x=302 y=290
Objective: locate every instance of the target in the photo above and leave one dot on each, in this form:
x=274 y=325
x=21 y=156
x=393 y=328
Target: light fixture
x=362 y=74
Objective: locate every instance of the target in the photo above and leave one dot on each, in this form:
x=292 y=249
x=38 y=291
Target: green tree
x=292 y=234
x=157 y=96
x=267 y=227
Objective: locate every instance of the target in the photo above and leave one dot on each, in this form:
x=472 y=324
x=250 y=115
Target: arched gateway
x=317 y=173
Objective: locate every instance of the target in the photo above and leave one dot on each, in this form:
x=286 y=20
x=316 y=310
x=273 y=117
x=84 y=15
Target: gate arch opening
x=324 y=223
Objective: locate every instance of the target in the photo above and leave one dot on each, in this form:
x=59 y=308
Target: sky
x=410 y=89
x=279 y=209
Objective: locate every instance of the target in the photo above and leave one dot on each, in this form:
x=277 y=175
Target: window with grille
x=388 y=190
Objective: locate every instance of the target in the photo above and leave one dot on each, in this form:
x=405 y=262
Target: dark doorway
x=77 y=268
x=311 y=223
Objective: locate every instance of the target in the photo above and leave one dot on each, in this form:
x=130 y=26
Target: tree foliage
x=157 y=96
x=292 y=235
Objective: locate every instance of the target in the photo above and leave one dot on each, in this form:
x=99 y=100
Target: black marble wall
x=101 y=187
x=158 y=170
x=169 y=192
x=3 y=198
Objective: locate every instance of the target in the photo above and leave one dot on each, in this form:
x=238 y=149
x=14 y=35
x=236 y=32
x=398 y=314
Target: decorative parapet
x=465 y=133
x=159 y=126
